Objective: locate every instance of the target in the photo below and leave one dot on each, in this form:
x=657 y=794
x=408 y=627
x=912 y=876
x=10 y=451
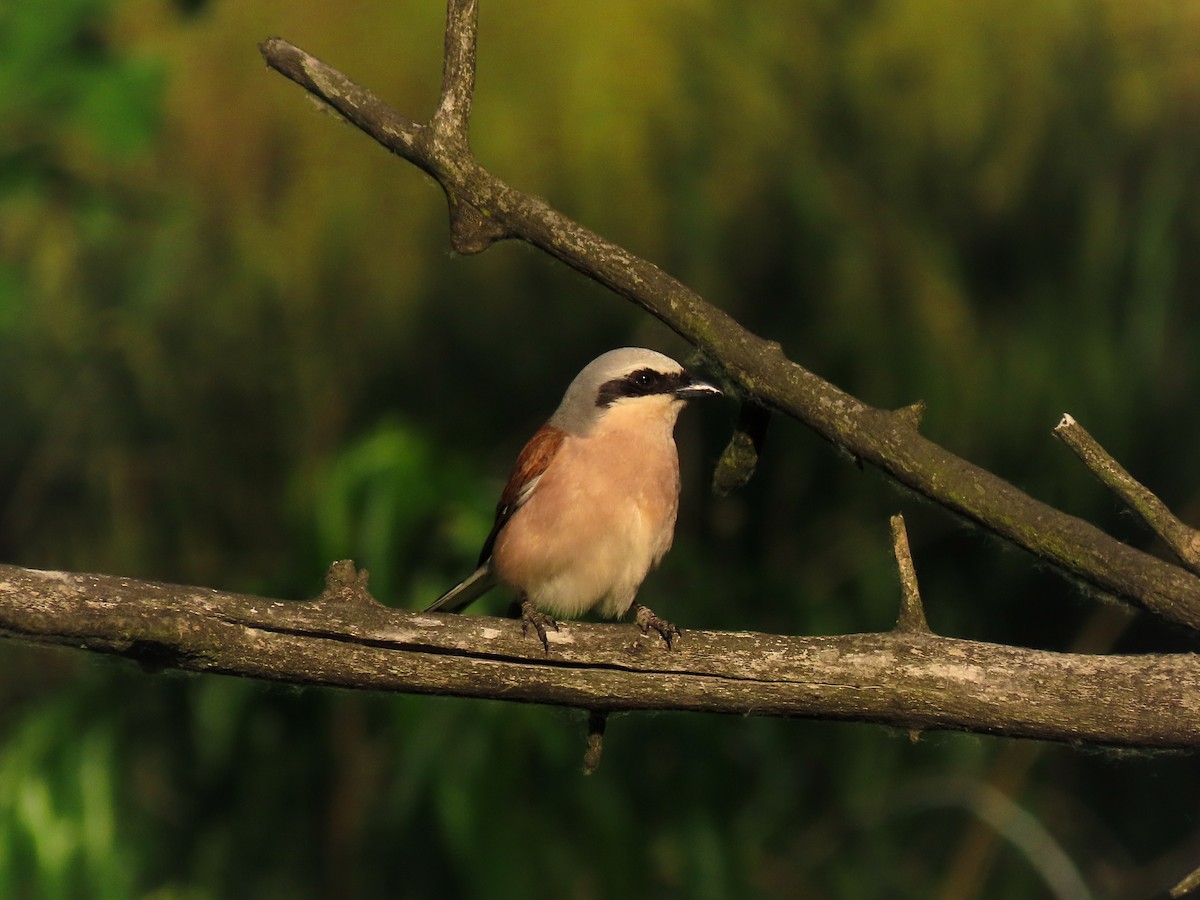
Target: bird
x=591 y=504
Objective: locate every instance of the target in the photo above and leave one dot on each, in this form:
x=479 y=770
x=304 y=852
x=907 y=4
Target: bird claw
x=646 y=619
x=540 y=621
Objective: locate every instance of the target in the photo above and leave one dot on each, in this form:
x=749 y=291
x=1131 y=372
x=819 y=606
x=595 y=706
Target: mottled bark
x=905 y=678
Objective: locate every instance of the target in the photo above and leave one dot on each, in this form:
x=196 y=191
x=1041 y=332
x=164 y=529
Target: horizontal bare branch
x=344 y=638
x=485 y=209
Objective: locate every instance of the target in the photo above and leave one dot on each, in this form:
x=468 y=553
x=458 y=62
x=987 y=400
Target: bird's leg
x=646 y=619
x=540 y=621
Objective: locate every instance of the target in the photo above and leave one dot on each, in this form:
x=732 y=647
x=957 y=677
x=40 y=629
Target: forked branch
x=484 y=209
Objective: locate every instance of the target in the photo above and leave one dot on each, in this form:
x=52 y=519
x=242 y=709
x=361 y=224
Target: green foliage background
x=234 y=347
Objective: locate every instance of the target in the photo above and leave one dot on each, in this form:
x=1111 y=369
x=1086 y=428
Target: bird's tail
x=465 y=592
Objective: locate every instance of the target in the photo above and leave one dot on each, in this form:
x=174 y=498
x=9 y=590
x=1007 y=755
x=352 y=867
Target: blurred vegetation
x=234 y=347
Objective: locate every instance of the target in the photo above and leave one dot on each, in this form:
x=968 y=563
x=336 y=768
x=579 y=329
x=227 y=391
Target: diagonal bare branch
x=1183 y=540
x=484 y=209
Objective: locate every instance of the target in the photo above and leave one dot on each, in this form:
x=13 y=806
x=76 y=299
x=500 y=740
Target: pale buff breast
x=601 y=516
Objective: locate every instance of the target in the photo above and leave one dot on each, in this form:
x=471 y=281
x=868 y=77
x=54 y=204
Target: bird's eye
x=639 y=383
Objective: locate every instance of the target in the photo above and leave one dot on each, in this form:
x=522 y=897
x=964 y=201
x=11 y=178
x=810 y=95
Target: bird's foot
x=531 y=615
x=646 y=619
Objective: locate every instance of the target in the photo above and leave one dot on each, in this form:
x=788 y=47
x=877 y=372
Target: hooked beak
x=695 y=389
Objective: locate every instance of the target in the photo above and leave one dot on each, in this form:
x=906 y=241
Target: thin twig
x=1187 y=885
x=912 y=611
x=458 y=72
x=1183 y=540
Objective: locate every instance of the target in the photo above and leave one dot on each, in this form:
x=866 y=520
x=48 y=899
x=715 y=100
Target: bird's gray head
x=622 y=376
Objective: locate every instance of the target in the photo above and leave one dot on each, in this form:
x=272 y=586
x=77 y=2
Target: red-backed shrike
x=590 y=506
